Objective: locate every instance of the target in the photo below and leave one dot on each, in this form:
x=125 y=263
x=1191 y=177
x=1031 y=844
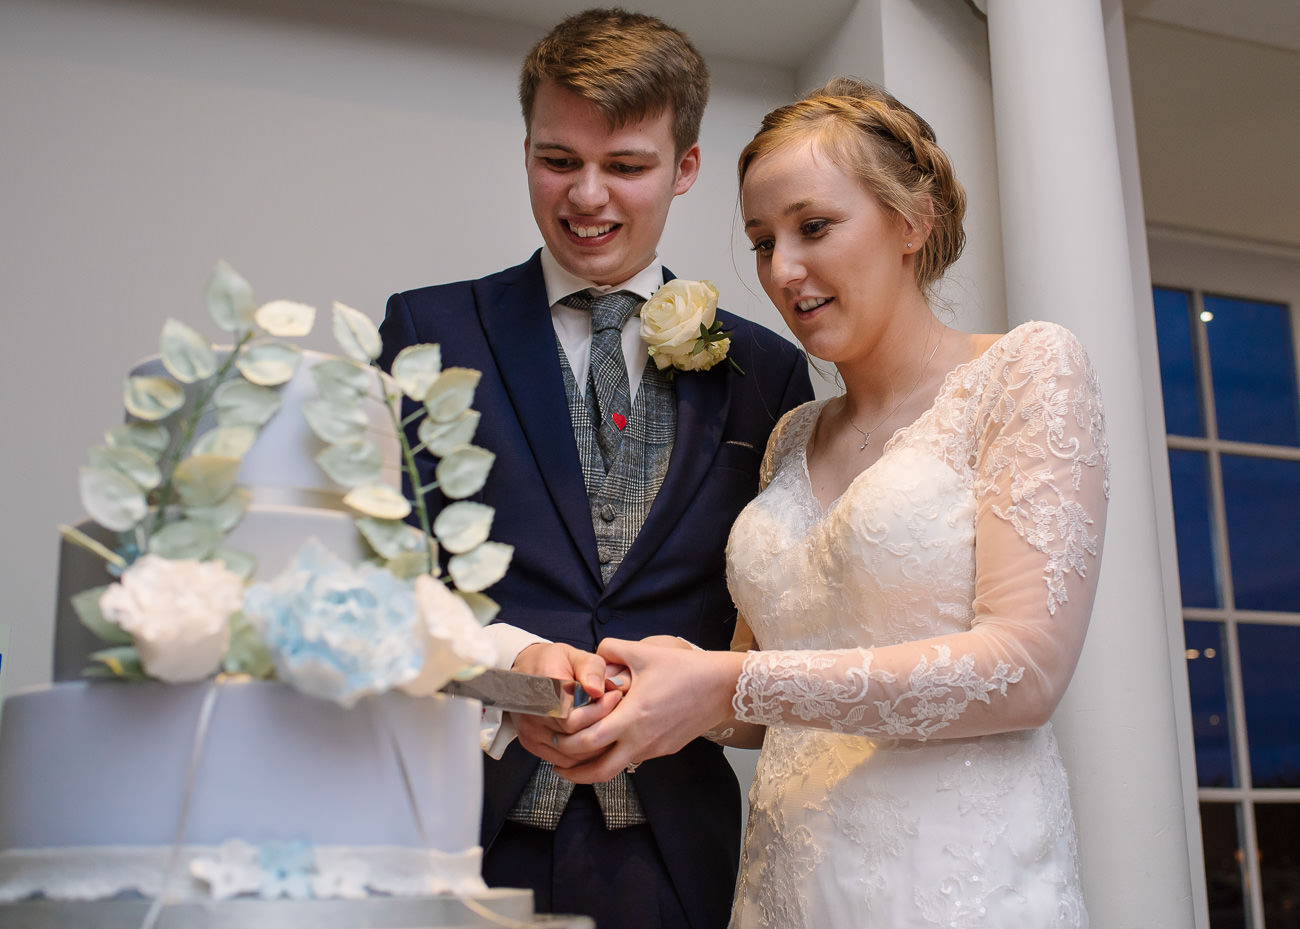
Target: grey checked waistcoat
x=619 y=500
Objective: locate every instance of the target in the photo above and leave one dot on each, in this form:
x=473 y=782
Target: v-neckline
x=825 y=509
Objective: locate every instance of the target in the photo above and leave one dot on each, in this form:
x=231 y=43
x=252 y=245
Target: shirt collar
x=560 y=283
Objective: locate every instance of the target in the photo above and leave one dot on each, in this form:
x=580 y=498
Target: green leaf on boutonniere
x=356 y=334
x=708 y=336
x=352 y=463
x=336 y=421
x=481 y=568
x=226 y=514
x=341 y=381
x=452 y=393
x=186 y=355
x=205 y=480
x=269 y=364
x=463 y=525
x=226 y=441
x=185 y=539
x=246 y=653
x=122 y=661
x=112 y=499
x=416 y=368
x=86 y=605
x=240 y=403
x=150 y=438
x=230 y=299
x=130 y=462
x=152 y=398
x=484 y=607
x=390 y=538
x=285 y=319
x=463 y=471
x=379 y=501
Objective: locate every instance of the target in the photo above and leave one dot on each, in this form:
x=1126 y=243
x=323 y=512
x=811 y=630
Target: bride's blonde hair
x=889 y=149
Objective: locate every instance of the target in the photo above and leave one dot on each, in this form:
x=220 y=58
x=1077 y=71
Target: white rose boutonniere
x=678 y=324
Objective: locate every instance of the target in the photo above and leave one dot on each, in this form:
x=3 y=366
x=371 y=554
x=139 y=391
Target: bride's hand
x=676 y=694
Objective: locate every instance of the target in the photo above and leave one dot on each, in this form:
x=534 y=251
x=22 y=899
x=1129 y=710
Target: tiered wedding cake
x=245 y=802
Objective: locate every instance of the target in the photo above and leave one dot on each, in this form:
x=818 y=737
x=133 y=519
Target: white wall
x=328 y=150
x=933 y=55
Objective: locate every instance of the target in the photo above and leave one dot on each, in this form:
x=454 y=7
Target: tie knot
x=608 y=311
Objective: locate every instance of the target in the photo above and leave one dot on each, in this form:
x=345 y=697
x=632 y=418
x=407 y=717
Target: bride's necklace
x=866 y=434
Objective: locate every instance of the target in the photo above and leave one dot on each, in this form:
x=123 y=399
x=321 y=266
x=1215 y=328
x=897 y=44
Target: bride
x=914 y=580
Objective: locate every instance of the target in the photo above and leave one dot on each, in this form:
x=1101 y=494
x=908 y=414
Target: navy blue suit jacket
x=672 y=580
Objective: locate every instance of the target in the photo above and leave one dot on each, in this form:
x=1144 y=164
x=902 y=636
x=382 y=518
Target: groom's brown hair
x=629 y=65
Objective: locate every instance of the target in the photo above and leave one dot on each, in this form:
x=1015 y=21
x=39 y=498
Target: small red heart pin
x=619 y=420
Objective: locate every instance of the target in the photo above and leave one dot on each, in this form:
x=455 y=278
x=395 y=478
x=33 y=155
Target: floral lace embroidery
x=888 y=746
x=795 y=856
x=776 y=686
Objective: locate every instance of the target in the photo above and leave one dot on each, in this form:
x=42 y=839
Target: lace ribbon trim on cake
x=295 y=870
x=833 y=690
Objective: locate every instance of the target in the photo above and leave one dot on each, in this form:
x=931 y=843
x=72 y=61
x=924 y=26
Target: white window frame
x=1200 y=263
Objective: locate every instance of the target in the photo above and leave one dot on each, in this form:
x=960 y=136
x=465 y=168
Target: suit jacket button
x=608 y=513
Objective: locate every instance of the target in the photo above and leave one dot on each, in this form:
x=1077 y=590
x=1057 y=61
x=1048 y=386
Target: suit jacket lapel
x=513 y=312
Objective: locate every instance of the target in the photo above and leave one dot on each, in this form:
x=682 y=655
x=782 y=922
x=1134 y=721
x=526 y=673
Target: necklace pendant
x=866 y=438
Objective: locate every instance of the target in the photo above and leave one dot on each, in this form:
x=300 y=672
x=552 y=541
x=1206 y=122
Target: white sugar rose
x=453 y=638
x=671 y=321
x=177 y=611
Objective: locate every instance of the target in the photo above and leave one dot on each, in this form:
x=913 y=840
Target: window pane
x=1223 y=864
x=1253 y=367
x=1206 y=679
x=1272 y=692
x=1262 y=498
x=1197 y=577
x=1277 y=825
x=1177 y=362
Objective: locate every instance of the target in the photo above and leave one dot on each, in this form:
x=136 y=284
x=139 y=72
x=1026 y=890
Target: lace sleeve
x=773 y=453
x=1040 y=466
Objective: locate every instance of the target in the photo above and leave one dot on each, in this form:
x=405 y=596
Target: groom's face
x=600 y=195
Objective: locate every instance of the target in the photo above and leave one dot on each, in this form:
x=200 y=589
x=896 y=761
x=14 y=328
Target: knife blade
x=516 y=692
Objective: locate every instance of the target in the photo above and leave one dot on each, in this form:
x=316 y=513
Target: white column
x=1065 y=246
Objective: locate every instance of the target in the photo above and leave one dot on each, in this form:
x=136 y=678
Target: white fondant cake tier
x=93 y=780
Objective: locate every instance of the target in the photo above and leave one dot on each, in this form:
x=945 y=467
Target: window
x=1227 y=325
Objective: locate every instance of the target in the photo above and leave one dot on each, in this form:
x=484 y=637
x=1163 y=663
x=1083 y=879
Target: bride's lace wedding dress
x=914 y=635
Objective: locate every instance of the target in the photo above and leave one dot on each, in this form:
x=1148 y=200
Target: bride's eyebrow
x=792 y=208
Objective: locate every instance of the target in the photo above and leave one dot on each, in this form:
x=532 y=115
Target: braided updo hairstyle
x=889 y=149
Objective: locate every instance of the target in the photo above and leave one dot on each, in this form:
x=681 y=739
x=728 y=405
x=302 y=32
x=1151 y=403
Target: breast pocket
x=739 y=455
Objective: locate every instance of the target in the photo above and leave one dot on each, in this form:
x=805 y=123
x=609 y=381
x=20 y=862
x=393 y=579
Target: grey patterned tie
x=607 y=374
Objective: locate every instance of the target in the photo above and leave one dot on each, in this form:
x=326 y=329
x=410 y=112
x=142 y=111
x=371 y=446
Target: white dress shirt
x=573 y=329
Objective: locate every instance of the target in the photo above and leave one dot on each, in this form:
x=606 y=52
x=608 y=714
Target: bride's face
x=831 y=259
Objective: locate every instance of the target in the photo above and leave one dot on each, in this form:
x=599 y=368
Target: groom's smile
x=600 y=193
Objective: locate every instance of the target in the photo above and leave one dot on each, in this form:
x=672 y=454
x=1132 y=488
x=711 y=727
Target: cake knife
x=516 y=692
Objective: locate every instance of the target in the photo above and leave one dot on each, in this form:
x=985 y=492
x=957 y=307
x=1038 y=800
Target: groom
x=615 y=482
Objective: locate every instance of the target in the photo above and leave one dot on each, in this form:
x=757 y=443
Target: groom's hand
x=676 y=693
x=541 y=734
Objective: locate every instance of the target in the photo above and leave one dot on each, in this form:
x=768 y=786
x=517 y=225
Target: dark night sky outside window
x=1232 y=416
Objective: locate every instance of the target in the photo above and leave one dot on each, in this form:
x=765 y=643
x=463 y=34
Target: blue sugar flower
x=338 y=631
x=287 y=870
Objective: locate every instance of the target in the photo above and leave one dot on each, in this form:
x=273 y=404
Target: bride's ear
x=916 y=229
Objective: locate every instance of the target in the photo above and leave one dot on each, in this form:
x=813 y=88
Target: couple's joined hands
x=648 y=698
